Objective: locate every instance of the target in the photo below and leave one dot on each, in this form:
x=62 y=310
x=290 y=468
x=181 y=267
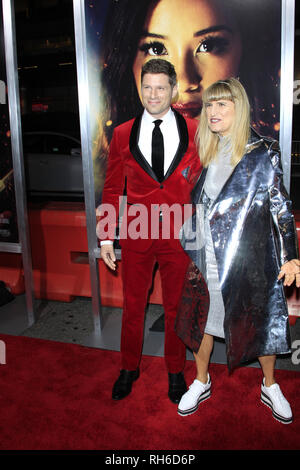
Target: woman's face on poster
x=199 y=39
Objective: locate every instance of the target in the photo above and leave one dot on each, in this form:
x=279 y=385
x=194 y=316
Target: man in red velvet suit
x=156 y=155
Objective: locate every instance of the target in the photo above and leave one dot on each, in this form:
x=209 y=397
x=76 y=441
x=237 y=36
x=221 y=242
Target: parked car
x=53 y=164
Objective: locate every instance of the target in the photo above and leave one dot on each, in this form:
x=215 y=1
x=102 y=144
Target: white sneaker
x=273 y=397
x=197 y=393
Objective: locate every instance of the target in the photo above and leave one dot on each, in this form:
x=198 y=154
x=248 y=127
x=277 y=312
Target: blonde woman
x=242 y=243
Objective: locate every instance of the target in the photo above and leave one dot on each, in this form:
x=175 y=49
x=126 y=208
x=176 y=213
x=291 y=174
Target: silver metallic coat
x=253 y=233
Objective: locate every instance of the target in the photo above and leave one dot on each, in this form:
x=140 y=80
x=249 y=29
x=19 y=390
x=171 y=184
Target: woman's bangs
x=216 y=92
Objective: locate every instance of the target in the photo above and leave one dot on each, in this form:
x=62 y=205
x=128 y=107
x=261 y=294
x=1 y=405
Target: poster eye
x=154 y=48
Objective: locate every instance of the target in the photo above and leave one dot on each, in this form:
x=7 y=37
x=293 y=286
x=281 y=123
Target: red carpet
x=57 y=396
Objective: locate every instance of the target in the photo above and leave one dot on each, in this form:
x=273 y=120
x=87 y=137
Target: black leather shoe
x=122 y=386
x=177 y=387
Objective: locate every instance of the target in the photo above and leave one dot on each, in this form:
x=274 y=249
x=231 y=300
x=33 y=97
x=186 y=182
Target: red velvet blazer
x=128 y=168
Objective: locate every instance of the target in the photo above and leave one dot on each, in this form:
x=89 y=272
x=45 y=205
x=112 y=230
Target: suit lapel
x=182 y=147
x=183 y=143
x=135 y=150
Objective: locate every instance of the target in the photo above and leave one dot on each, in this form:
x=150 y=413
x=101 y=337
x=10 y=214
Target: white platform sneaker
x=196 y=394
x=273 y=397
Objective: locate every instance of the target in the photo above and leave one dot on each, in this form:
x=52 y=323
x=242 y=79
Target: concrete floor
x=74 y=323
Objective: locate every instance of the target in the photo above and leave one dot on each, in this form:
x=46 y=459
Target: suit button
x=161 y=186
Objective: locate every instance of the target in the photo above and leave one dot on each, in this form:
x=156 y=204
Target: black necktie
x=158 y=151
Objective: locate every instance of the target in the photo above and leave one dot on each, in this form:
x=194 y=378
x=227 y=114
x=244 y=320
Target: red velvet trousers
x=137 y=273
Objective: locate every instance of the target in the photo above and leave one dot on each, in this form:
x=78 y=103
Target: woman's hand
x=290 y=271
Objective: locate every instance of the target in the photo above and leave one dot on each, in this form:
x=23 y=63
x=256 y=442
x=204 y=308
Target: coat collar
x=254 y=141
x=182 y=147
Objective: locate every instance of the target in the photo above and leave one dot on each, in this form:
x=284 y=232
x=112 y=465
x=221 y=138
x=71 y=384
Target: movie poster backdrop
x=8 y=213
x=206 y=40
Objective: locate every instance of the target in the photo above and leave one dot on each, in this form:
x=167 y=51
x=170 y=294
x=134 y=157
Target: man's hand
x=290 y=271
x=107 y=253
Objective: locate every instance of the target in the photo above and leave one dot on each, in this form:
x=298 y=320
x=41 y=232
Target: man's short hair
x=160 y=66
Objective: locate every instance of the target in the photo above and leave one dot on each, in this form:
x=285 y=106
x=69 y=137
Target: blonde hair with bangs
x=207 y=141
